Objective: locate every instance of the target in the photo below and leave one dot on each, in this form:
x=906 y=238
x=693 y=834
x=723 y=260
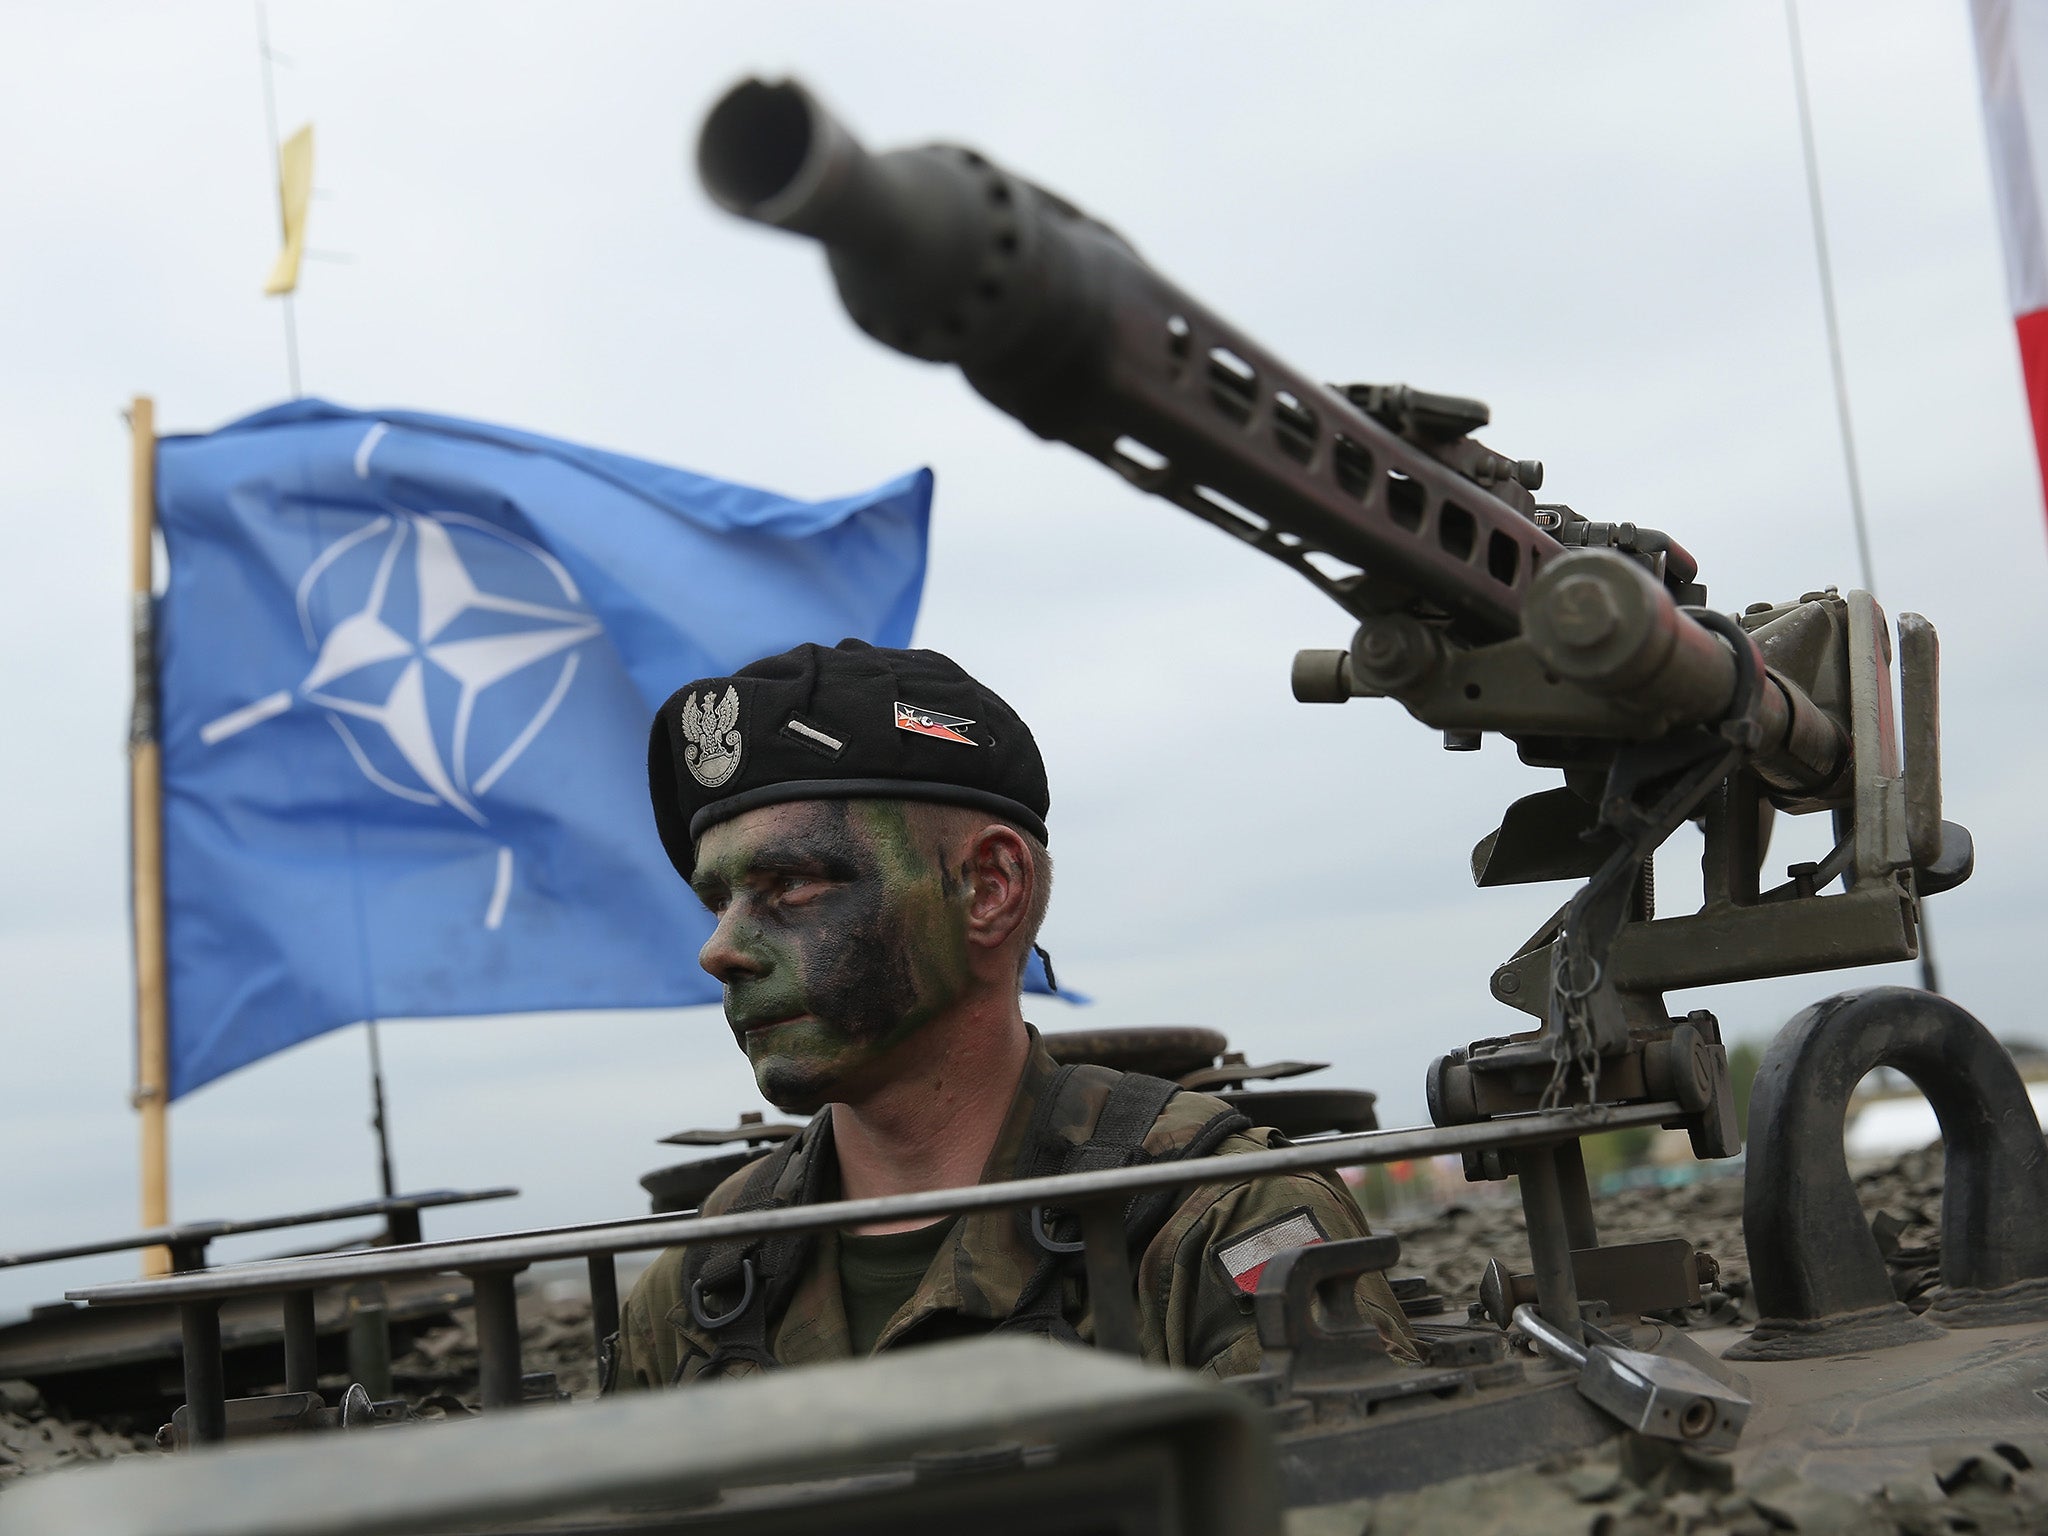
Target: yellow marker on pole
x=145 y=800
x=294 y=196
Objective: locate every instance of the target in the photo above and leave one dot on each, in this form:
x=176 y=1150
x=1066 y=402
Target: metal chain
x=1572 y=1045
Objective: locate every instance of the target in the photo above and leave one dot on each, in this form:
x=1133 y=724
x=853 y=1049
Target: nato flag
x=407 y=669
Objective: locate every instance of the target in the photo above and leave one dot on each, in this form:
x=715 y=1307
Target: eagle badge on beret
x=712 y=737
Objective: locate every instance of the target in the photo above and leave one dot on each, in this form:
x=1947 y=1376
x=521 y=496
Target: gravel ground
x=1644 y=1490
x=1451 y=1247
x=1609 y=1492
x=1640 y=1490
x=437 y=1376
x=32 y=1439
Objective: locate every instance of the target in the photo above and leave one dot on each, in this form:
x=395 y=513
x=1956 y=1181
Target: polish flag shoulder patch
x=1244 y=1257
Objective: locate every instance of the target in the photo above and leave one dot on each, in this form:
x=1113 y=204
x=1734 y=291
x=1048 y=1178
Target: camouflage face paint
x=840 y=936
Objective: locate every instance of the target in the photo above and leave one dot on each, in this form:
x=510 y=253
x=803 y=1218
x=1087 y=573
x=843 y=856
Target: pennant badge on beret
x=929 y=722
x=1245 y=1258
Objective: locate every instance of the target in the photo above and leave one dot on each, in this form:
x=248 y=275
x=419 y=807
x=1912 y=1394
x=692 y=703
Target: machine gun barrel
x=1055 y=319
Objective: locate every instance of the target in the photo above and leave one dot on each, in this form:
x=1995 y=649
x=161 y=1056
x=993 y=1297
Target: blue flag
x=407 y=667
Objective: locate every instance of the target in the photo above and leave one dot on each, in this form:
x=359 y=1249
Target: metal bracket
x=1323 y=1353
x=1307 y=1311
x=1631 y=1278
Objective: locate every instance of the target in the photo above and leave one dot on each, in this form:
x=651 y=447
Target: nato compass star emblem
x=457 y=642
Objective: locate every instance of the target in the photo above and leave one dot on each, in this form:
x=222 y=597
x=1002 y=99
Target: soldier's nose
x=725 y=958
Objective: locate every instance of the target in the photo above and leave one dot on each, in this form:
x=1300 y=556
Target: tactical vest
x=737 y=1290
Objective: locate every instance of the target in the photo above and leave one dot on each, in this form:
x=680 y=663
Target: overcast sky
x=1591 y=216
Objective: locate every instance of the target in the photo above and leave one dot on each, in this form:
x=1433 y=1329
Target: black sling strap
x=1117 y=1141
x=737 y=1291
x=1148 y=1213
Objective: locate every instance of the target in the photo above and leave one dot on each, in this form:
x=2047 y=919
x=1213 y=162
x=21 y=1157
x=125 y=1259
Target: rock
x=1591 y=1484
x=1686 y=1508
x=1792 y=1504
x=20 y=1397
x=1353 y=1518
x=1957 y=1467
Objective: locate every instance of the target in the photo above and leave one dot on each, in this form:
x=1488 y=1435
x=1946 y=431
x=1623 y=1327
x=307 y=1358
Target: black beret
x=853 y=721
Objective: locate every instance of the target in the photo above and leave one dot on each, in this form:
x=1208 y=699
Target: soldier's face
x=839 y=936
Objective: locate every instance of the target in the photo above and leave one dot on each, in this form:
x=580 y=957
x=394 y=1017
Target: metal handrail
x=609 y=1223
x=492 y=1263
x=521 y=1249
x=195 y=1235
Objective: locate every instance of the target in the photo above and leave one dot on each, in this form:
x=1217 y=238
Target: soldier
x=868 y=827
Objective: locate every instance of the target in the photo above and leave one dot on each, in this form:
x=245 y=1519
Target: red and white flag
x=1244 y=1257
x=2012 y=64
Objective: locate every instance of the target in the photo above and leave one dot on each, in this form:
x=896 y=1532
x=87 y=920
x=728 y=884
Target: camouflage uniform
x=1191 y=1312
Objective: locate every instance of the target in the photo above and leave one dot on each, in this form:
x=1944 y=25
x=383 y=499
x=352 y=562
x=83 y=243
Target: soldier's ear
x=999 y=876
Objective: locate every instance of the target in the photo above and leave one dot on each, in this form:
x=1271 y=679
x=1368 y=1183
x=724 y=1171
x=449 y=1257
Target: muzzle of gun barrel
x=937 y=252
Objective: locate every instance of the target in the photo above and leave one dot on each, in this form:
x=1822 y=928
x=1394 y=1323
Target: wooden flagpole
x=145 y=801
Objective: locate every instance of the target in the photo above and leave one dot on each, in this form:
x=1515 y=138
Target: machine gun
x=1479 y=609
